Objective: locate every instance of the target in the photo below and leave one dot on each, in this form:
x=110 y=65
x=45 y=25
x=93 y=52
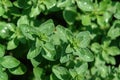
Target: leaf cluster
x=59 y=39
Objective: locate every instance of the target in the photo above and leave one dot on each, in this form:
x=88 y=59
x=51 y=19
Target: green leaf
x=49 y=3
x=11 y=27
x=107 y=17
x=114 y=31
x=106 y=43
x=65 y=58
x=73 y=73
x=109 y=59
x=86 y=20
x=85 y=54
x=85 y=5
x=38 y=43
x=47 y=27
x=3 y=75
x=27 y=31
x=69 y=35
x=49 y=52
x=10 y=62
x=81 y=68
x=61 y=33
x=112 y=60
x=20 y=4
x=79 y=77
x=103 y=70
x=60 y=72
x=54 y=39
x=19 y=70
x=114 y=51
x=33 y=52
x=12 y=44
x=116 y=15
x=69 y=15
x=99 y=60
x=7 y=3
x=96 y=47
x=69 y=49
x=35 y=11
x=23 y=20
x=2 y=10
x=83 y=39
x=2 y=50
x=35 y=62
x=38 y=73
x=103 y=5
x=4 y=31
x=101 y=20
x=93 y=70
x=64 y=3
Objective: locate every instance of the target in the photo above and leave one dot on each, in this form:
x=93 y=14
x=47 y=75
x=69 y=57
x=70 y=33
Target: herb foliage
x=59 y=39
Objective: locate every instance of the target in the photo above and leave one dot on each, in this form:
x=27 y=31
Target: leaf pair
x=13 y=65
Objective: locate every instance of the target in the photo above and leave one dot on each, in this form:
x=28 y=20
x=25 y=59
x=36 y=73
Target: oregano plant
x=59 y=40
